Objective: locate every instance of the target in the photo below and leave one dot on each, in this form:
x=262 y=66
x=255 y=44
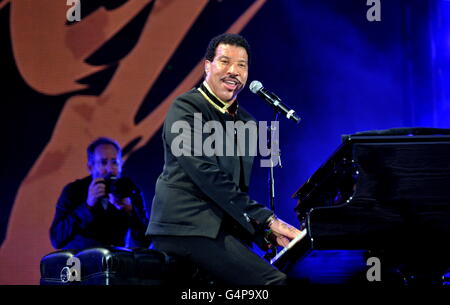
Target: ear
x=89 y=167
x=207 y=66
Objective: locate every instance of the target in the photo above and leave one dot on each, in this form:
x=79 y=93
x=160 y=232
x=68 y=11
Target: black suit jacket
x=195 y=193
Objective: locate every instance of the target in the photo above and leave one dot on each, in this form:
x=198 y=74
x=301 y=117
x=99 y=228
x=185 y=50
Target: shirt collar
x=215 y=101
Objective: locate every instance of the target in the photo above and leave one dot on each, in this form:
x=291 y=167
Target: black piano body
x=384 y=195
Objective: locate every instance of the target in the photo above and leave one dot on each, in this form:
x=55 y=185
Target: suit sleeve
x=70 y=217
x=205 y=171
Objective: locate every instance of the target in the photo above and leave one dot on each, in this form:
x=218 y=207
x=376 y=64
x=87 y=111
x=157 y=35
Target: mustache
x=232 y=78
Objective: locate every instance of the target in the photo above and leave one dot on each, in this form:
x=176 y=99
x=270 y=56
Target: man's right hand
x=96 y=191
x=283 y=232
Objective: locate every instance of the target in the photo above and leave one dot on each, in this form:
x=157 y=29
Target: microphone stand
x=272 y=130
x=272 y=252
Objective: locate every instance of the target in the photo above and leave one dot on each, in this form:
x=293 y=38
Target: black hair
x=101 y=141
x=226 y=38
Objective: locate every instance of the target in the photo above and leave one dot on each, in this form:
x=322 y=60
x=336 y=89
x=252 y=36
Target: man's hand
x=283 y=232
x=96 y=191
x=121 y=203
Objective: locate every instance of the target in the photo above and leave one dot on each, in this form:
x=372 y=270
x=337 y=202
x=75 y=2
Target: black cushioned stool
x=115 y=266
x=52 y=266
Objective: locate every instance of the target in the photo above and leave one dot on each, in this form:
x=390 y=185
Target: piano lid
x=341 y=159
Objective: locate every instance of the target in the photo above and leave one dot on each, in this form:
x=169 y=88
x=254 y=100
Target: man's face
x=106 y=161
x=227 y=74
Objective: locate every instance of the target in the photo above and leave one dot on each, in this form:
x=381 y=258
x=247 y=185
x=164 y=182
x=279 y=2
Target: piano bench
x=115 y=266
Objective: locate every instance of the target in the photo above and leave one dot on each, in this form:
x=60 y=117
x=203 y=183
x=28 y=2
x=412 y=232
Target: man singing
x=201 y=210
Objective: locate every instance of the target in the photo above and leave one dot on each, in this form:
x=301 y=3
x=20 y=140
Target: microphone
x=257 y=88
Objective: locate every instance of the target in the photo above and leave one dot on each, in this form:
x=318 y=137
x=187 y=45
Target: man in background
x=103 y=209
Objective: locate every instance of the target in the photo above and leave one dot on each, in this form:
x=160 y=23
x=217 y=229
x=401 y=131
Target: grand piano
x=383 y=196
